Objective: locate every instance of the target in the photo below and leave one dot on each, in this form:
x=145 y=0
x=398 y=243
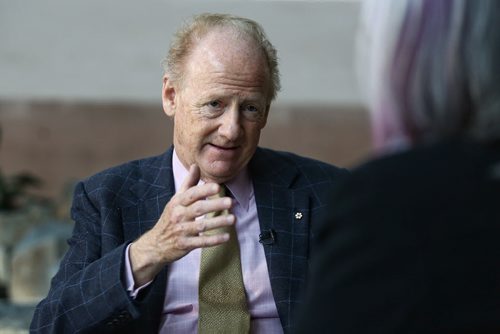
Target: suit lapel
x=150 y=193
x=284 y=210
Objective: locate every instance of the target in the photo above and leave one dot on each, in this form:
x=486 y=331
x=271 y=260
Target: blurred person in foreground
x=137 y=261
x=413 y=241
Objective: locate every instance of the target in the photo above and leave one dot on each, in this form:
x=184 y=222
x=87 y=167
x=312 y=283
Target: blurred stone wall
x=62 y=142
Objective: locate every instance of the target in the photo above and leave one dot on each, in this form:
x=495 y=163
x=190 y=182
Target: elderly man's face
x=221 y=105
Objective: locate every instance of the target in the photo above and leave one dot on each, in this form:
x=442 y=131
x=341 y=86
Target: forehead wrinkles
x=219 y=79
x=249 y=81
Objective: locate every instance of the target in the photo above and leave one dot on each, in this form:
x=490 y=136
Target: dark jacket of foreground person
x=412 y=246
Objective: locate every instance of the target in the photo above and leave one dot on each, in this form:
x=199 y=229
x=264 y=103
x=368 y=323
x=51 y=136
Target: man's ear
x=168 y=96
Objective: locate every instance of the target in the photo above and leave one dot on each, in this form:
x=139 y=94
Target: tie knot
x=223 y=190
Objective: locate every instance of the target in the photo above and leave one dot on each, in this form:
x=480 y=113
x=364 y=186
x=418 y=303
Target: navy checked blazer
x=116 y=206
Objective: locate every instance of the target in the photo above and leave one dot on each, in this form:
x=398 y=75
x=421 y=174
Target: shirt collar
x=240 y=186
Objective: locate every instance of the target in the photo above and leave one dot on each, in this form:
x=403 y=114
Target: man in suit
x=142 y=228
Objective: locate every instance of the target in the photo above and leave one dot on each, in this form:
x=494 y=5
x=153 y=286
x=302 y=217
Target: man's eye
x=251 y=108
x=253 y=112
x=214 y=104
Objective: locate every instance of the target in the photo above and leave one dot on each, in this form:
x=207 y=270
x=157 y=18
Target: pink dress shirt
x=180 y=309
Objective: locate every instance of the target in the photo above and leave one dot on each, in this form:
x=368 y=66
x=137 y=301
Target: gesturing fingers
x=204 y=241
x=184 y=220
x=189 y=192
x=179 y=213
x=202 y=232
x=201 y=208
x=194 y=229
x=193 y=194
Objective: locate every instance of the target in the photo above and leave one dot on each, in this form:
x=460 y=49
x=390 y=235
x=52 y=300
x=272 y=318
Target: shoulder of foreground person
x=440 y=162
x=410 y=246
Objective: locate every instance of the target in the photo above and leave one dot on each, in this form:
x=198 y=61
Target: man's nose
x=230 y=126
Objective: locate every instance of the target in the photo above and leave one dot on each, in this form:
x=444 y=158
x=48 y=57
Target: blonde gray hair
x=440 y=79
x=191 y=32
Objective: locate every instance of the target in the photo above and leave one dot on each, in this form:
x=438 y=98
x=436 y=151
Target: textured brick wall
x=62 y=141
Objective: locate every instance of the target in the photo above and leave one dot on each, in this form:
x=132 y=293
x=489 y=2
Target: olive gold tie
x=222 y=298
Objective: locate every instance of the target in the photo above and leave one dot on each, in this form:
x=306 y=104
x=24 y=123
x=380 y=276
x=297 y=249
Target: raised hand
x=177 y=232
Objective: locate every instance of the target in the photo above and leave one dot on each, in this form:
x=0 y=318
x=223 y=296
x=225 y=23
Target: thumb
x=192 y=178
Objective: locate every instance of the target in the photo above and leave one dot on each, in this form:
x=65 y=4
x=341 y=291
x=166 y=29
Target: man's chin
x=219 y=175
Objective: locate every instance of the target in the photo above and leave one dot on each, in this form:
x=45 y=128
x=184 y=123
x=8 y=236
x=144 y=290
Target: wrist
x=143 y=264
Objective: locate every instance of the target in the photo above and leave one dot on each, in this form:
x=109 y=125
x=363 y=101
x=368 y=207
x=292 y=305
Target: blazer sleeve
x=87 y=293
